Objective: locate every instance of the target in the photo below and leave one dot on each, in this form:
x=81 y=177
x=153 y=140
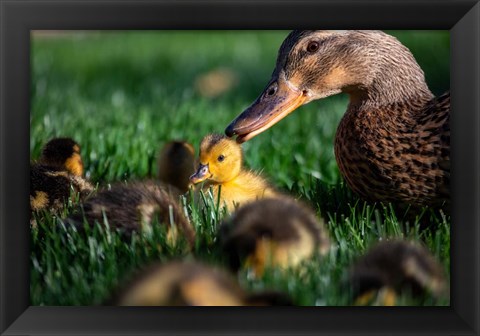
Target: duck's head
x=176 y=162
x=220 y=160
x=315 y=64
x=63 y=153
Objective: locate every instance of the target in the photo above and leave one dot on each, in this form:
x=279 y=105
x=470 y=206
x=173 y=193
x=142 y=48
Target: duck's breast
x=395 y=159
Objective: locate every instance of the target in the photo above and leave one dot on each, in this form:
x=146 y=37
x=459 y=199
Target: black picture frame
x=18 y=17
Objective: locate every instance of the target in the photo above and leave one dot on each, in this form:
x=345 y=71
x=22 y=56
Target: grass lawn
x=122 y=95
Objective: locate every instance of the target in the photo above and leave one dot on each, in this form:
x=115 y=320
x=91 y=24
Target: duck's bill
x=265 y=112
x=201 y=174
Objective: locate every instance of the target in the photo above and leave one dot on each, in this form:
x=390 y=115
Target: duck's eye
x=313 y=46
x=221 y=158
x=272 y=90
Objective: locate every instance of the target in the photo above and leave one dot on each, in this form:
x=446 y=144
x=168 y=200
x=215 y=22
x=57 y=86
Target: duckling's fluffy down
x=134 y=207
x=220 y=165
x=176 y=162
x=63 y=153
x=289 y=228
x=57 y=176
x=51 y=188
x=400 y=265
x=188 y=283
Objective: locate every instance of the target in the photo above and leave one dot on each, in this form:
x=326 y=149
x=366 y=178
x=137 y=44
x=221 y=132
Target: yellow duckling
x=57 y=176
x=396 y=266
x=179 y=283
x=220 y=164
x=278 y=232
x=176 y=163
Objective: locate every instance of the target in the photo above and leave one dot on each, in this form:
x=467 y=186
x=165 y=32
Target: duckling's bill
x=278 y=100
x=202 y=174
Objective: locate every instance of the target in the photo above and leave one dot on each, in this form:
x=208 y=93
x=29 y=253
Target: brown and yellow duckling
x=64 y=154
x=273 y=232
x=136 y=206
x=189 y=284
x=393 y=267
x=176 y=163
x=220 y=165
x=393 y=143
x=57 y=176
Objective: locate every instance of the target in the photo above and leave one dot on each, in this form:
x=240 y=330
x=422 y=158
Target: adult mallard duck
x=393 y=143
x=220 y=165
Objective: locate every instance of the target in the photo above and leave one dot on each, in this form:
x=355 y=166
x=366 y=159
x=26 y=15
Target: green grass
x=122 y=95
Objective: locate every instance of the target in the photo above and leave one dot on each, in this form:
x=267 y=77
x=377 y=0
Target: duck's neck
x=390 y=93
x=373 y=112
x=388 y=75
x=391 y=87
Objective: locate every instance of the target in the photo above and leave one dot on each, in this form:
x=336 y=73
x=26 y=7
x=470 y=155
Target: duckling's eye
x=313 y=46
x=221 y=158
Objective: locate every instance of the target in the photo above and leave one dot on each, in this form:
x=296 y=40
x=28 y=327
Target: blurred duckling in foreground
x=135 y=207
x=57 y=176
x=220 y=165
x=190 y=284
x=278 y=232
x=396 y=266
x=176 y=163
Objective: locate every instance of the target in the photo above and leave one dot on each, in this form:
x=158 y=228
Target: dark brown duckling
x=396 y=266
x=63 y=153
x=57 y=176
x=176 y=163
x=189 y=284
x=278 y=232
x=51 y=189
x=134 y=207
x=393 y=143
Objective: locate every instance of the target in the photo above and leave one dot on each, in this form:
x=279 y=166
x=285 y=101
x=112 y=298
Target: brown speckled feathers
x=398 y=152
